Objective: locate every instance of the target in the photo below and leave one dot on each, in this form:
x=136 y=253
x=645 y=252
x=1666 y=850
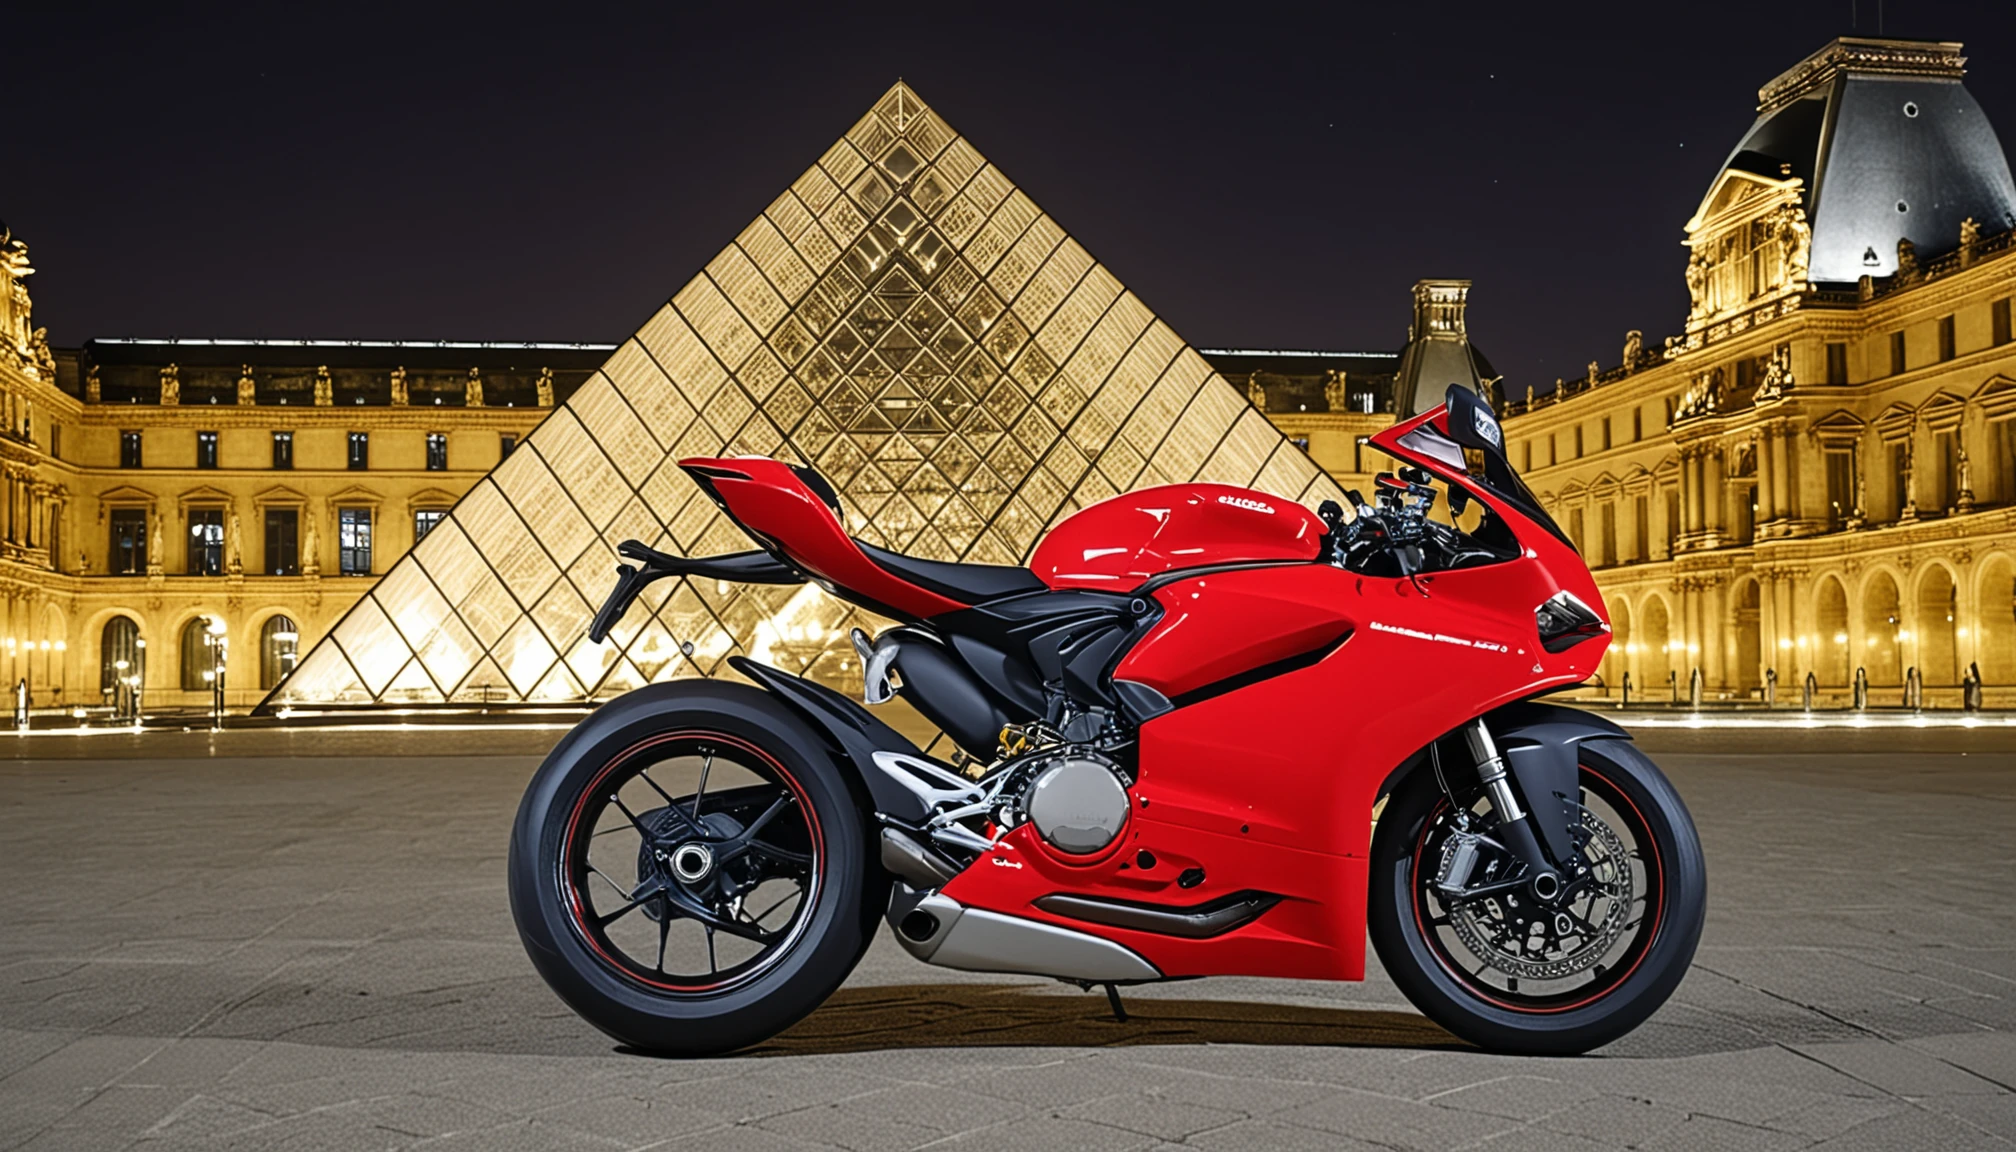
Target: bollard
x=1673 y=683
x=1806 y=691
x=1770 y=687
x=1861 y=689
x=1694 y=689
x=1626 y=701
x=22 y=701
x=1970 y=689
x=1914 y=689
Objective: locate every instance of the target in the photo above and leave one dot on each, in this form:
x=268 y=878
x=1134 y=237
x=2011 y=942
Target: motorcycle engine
x=1076 y=799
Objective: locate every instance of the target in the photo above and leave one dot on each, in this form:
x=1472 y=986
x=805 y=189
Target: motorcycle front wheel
x=688 y=869
x=1512 y=973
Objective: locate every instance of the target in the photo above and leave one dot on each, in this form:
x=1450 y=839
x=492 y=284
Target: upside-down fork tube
x=757 y=567
x=1537 y=744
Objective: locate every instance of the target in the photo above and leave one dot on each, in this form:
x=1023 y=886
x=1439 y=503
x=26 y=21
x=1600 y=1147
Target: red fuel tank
x=1117 y=544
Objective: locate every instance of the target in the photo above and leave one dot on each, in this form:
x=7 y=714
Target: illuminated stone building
x=155 y=488
x=1819 y=475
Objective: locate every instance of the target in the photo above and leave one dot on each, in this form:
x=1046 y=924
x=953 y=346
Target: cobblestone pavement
x=300 y=940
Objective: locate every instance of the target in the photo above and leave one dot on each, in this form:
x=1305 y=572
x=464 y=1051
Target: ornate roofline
x=1935 y=58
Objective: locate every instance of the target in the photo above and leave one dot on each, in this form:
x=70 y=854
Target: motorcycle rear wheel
x=1578 y=1002
x=688 y=920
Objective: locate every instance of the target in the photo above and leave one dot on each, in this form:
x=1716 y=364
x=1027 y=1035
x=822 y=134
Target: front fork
x=1514 y=826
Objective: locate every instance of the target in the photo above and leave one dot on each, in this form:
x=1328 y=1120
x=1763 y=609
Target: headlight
x=1565 y=621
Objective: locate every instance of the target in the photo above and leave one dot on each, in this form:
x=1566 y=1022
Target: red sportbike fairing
x=1176 y=726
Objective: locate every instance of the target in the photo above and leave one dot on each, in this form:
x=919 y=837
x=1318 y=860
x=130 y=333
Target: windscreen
x=1488 y=469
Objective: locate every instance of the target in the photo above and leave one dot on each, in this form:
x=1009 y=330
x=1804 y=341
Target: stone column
x=1714 y=638
x=1768 y=464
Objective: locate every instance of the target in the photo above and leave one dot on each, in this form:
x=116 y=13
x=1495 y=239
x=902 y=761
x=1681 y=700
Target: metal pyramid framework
x=902 y=318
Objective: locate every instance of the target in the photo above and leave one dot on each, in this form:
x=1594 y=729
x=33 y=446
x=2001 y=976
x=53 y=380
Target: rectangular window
x=1900 y=468
x=2003 y=433
x=1896 y=353
x=360 y=451
x=129 y=541
x=1358 y=453
x=206 y=450
x=353 y=541
x=1998 y=321
x=1609 y=533
x=1642 y=544
x=504 y=446
x=1553 y=449
x=206 y=542
x=1606 y=433
x=437 y=451
x=1575 y=527
x=1946 y=452
x=283 y=541
x=1526 y=456
x=1672 y=519
x=424 y=522
x=1578 y=441
x=129 y=450
x=1840 y=486
x=283 y=450
x=56 y=441
x=1945 y=338
x=1837 y=364
x=1637 y=424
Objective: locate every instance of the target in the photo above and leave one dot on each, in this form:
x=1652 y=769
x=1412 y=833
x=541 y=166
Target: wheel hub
x=692 y=861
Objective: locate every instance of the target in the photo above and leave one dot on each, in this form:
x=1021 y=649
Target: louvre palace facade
x=1817 y=474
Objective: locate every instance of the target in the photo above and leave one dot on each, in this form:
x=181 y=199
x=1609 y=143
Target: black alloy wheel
x=1512 y=972
x=690 y=870
x=690 y=862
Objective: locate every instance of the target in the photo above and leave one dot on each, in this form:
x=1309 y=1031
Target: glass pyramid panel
x=903 y=318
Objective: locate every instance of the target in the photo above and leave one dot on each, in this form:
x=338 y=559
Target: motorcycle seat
x=966 y=583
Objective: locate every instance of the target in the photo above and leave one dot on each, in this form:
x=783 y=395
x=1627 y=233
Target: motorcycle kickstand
x=1119 y=1009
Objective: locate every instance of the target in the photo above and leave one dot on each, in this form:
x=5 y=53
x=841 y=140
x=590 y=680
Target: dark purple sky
x=1259 y=179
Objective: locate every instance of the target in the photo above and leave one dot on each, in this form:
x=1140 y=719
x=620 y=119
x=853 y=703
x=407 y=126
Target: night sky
x=1259 y=179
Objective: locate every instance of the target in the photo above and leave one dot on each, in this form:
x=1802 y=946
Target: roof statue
x=903 y=318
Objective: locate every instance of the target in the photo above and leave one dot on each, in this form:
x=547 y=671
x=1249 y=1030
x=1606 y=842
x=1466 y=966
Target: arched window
x=277 y=642
x=119 y=651
x=197 y=644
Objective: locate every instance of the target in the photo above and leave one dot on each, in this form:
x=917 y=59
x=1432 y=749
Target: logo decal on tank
x=1248 y=504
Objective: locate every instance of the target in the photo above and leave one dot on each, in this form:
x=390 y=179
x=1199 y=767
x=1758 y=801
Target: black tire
x=1419 y=959
x=831 y=924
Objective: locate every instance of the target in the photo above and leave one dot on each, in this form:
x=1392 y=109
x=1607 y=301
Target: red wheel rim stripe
x=1461 y=978
x=575 y=909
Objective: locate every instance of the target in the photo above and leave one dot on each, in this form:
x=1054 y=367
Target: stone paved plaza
x=300 y=940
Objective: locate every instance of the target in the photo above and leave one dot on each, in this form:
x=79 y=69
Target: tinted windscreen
x=1496 y=474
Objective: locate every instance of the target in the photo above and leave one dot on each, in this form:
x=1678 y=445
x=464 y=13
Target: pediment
x=1997 y=398
x=433 y=498
x=1942 y=412
x=356 y=495
x=279 y=494
x=202 y=494
x=1737 y=194
x=1895 y=422
x=127 y=494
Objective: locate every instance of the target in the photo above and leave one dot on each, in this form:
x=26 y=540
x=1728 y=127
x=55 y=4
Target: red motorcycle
x=1205 y=732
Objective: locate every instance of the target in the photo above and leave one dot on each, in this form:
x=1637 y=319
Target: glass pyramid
x=902 y=318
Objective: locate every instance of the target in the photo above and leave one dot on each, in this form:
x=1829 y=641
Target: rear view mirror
x=1471 y=421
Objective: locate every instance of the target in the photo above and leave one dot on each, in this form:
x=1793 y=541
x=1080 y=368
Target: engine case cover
x=1077 y=804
